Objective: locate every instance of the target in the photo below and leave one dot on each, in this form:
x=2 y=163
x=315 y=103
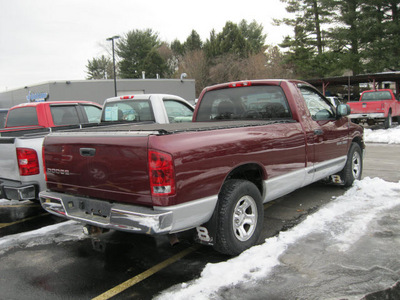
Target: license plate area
x=95 y=210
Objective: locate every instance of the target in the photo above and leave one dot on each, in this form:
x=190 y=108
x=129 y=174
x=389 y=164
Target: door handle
x=318 y=132
x=87 y=151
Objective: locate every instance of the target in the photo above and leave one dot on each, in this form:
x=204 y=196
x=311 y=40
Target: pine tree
x=135 y=50
x=100 y=68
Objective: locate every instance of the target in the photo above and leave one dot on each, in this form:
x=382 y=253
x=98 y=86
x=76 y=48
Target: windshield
x=376 y=96
x=129 y=111
x=244 y=103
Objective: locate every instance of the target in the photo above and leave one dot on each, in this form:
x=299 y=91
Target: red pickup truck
x=250 y=142
x=376 y=106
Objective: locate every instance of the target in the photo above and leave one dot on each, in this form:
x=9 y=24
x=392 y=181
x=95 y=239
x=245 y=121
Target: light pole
x=115 y=75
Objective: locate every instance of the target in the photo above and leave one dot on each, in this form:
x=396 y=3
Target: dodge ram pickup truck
x=376 y=106
x=250 y=142
x=21 y=171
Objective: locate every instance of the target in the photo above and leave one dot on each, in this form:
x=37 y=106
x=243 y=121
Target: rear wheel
x=388 y=121
x=240 y=216
x=354 y=165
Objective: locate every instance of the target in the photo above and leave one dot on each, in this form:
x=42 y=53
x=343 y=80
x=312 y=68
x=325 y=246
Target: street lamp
x=115 y=75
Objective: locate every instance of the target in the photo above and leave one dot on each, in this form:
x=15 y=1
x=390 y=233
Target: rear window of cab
x=22 y=116
x=244 y=103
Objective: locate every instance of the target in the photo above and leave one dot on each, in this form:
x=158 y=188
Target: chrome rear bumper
x=132 y=218
x=367 y=116
x=106 y=214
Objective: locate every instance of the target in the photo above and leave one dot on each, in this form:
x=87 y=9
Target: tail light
x=28 y=161
x=239 y=84
x=161 y=173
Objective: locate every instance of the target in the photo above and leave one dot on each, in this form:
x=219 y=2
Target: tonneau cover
x=184 y=126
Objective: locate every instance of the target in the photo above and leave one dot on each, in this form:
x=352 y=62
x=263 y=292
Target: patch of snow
x=5 y=202
x=57 y=233
x=387 y=136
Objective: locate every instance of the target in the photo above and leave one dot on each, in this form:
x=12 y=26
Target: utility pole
x=113 y=53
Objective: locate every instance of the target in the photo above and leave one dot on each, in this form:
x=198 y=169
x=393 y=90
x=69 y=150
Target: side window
x=64 y=115
x=178 y=112
x=93 y=113
x=22 y=116
x=316 y=104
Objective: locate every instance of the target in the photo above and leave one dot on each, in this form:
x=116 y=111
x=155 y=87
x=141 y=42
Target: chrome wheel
x=245 y=218
x=356 y=165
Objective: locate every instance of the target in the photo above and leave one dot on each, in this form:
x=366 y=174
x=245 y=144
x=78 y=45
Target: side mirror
x=343 y=110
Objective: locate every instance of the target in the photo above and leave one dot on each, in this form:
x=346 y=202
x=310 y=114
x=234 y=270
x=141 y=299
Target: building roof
x=362 y=78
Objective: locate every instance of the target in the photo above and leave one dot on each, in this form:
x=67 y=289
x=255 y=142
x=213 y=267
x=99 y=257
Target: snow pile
x=5 y=202
x=61 y=232
x=387 y=136
x=344 y=221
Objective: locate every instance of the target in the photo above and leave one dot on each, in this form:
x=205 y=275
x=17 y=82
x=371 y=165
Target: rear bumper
x=132 y=218
x=367 y=116
x=13 y=190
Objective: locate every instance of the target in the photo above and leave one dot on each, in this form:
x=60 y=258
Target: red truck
x=250 y=142
x=38 y=115
x=376 y=106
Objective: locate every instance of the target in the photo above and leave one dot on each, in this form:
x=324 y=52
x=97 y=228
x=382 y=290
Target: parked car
x=250 y=142
x=39 y=115
x=376 y=106
x=158 y=108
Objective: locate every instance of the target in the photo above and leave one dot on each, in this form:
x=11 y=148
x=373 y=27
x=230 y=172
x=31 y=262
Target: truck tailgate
x=8 y=159
x=110 y=166
x=365 y=107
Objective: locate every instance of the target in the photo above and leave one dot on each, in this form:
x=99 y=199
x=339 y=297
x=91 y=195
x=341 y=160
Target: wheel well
x=359 y=142
x=251 y=172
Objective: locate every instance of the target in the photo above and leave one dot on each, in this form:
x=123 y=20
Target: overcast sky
x=46 y=40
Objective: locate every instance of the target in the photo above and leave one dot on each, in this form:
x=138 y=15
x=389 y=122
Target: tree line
x=330 y=38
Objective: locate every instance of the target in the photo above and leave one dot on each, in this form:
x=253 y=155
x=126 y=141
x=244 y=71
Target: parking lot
x=44 y=257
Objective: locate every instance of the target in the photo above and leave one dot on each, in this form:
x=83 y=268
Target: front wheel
x=240 y=216
x=354 y=165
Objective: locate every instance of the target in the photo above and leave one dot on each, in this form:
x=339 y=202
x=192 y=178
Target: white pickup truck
x=21 y=163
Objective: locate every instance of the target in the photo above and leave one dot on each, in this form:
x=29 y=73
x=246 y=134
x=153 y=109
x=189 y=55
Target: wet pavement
x=68 y=265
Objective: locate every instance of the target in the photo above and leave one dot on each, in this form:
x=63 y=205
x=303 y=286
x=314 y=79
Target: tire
x=388 y=121
x=240 y=214
x=354 y=165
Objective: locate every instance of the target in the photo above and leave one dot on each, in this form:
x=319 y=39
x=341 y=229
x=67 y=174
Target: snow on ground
x=344 y=220
x=57 y=233
x=387 y=136
x=5 y=202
